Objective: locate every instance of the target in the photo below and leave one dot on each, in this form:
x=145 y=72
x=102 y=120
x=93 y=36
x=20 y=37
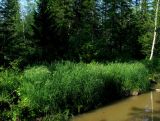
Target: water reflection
x=139 y=115
x=132 y=109
x=146 y=113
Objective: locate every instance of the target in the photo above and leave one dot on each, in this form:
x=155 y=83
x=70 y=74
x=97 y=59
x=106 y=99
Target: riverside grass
x=65 y=88
x=80 y=87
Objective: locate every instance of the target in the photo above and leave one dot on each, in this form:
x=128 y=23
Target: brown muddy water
x=136 y=108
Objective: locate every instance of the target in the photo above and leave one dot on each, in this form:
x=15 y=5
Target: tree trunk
x=155 y=31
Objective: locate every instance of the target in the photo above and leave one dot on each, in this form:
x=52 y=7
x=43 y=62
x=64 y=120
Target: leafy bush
x=153 y=65
x=9 y=83
x=154 y=68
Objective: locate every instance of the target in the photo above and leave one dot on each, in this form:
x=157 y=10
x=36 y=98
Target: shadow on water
x=136 y=108
x=140 y=114
x=145 y=114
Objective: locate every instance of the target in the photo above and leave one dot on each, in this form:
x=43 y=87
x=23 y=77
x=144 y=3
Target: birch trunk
x=155 y=31
x=140 y=4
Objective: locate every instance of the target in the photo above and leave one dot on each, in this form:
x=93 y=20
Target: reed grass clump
x=55 y=91
x=80 y=87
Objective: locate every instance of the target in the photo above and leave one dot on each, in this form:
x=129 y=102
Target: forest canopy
x=76 y=30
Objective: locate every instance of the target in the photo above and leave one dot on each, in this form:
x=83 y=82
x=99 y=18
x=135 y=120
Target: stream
x=145 y=107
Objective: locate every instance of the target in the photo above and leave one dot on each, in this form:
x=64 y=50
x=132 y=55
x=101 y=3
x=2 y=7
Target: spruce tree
x=51 y=28
x=10 y=21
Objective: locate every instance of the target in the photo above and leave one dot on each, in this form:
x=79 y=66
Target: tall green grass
x=57 y=90
x=80 y=87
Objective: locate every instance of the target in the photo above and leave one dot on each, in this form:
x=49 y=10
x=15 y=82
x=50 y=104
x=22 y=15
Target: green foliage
x=9 y=95
x=80 y=87
x=9 y=28
x=58 y=117
x=153 y=65
x=57 y=90
x=35 y=79
x=14 y=42
x=51 y=29
x=9 y=80
x=133 y=76
x=76 y=30
x=87 y=30
x=154 y=68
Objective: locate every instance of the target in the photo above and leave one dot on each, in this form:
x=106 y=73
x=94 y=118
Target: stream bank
x=135 y=108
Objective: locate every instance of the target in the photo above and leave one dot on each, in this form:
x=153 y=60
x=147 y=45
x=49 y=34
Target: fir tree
x=10 y=21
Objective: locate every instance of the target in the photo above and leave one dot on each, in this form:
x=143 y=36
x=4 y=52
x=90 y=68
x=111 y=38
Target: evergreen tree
x=120 y=30
x=77 y=30
x=26 y=34
x=10 y=21
x=84 y=30
x=51 y=29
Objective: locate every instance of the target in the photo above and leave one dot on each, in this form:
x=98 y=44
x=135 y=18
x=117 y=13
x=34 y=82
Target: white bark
x=155 y=31
x=140 y=2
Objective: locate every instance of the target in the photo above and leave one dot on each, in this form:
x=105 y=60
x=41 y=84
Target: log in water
x=136 y=108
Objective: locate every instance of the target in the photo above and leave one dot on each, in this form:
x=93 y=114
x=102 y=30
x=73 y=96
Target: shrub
x=154 y=68
x=9 y=83
x=153 y=65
